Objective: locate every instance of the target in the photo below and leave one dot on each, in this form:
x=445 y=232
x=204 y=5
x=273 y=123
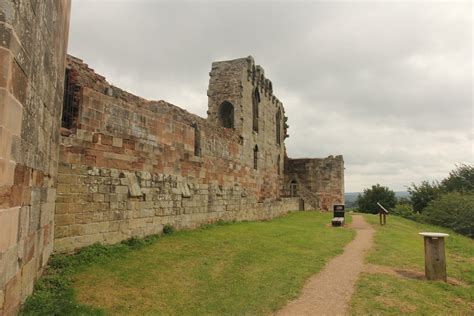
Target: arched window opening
x=255 y=102
x=197 y=140
x=278 y=127
x=278 y=164
x=255 y=157
x=293 y=188
x=226 y=114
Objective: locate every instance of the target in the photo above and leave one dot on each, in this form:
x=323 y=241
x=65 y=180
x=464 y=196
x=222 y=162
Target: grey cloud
x=388 y=85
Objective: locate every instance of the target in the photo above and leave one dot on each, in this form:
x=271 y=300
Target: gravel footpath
x=329 y=292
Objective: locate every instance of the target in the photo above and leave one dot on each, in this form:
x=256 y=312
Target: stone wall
x=124 y=166
x=128 y=166
x=32 y=59
x=320 y=181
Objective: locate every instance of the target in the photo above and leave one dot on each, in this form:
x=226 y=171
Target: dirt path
x=329 y=292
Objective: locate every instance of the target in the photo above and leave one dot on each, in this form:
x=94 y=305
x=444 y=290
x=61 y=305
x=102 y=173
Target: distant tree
x=367 y=201
x=460 y=179
x=421 y=195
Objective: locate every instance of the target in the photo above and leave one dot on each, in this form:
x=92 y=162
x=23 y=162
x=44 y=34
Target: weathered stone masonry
x=124 y=166
x=320 y=181
x=129 y=165
x=33 y=41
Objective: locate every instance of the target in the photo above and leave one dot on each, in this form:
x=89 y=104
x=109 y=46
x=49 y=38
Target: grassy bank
x=398 y=246
x=238 y=268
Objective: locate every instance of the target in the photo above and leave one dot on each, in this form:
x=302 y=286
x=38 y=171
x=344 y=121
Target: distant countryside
x=351 y=197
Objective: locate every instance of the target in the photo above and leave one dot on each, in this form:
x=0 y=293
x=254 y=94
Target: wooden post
x=383 y=218
x=435 y=259
x=382 y=214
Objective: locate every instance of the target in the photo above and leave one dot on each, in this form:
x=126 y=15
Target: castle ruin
x=82 y=161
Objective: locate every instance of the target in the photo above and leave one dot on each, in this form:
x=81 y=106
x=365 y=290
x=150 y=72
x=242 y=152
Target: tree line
x=448 y=203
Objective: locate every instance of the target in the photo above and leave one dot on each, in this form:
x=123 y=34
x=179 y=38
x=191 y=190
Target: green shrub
x=168 y=229
x=367 y=201
x=421 y=195
x=461 y=179
x=453 y=210
x=406 y=211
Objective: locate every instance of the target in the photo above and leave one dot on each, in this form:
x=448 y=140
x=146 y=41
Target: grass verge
x=240 y=268
x=54 y=294
x=399 y=246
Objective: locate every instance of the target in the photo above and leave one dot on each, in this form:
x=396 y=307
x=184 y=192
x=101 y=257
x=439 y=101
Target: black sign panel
x=339 y=210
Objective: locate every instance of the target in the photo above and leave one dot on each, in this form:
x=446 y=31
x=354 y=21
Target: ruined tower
x=242 y=99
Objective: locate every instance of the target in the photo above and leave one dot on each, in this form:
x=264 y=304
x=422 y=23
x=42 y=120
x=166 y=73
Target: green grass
x=242 y=268
x=54 y=294
x=398 y=245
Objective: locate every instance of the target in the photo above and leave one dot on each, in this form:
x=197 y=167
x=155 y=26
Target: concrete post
x=435 y=260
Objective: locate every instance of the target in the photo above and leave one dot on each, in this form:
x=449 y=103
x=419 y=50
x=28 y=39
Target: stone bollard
x=435 y=260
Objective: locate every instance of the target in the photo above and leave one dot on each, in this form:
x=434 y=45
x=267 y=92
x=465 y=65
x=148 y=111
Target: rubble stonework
x=32 y=59
x=130 y=166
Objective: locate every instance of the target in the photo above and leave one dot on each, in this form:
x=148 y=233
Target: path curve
x=329 y=291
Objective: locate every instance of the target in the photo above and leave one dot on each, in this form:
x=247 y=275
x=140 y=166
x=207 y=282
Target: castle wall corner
x=32 y=59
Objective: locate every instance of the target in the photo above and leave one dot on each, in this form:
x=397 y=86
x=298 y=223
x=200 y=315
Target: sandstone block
x=98 y=197
x=35 y=215
x=133 y=185
x=28 y=274
x=24 y=222
x=19 y=83
x=5 y=142
x=12 y=295
x=86 y=240
x=84 y=135
x=65 y=244
x=64 y=219
x=117 y=142
x=121 y=189
x=9 y=223
x=5 y=69
x=10 y=264
x=47 y=213
x=95 y=228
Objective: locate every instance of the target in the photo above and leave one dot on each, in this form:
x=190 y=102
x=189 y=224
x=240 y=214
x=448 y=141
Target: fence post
x=435 y=259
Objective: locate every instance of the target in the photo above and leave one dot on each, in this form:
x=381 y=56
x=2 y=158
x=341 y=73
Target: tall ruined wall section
x=258 y=118
x=320 y=181
x=33 y=41
x=128 y=166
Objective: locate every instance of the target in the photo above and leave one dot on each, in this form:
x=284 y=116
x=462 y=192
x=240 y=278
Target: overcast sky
x=387 y=84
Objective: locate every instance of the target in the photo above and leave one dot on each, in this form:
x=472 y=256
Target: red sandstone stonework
x=129 y=166
x=125 y=166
